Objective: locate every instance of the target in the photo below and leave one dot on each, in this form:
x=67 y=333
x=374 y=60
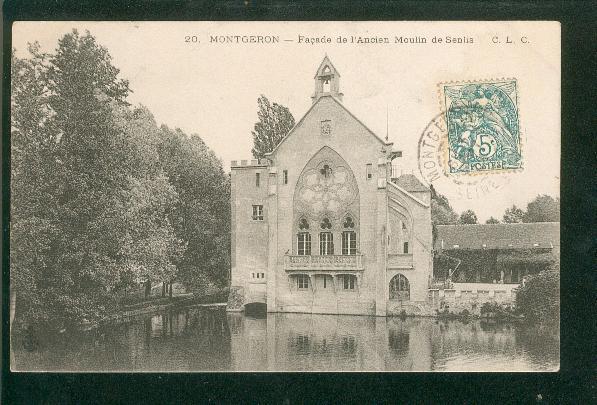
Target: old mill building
x=320 y=226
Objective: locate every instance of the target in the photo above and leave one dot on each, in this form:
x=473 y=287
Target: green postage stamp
x=482 y=126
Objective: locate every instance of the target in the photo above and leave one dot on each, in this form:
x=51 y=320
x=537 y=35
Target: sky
x=211 y=88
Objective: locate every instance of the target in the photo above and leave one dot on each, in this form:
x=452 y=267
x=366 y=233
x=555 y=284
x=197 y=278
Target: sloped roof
x=299 y=122
x=410 y=183
x=498 y=236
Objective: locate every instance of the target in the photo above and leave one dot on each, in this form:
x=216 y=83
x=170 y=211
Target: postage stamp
x=482 y=126
x=434 y=168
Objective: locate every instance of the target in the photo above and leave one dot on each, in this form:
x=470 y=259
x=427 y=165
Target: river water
x=209 y=339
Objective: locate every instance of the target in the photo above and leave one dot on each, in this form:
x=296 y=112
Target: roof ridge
x=311 y=108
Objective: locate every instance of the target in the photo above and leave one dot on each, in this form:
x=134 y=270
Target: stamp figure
x=483 y=126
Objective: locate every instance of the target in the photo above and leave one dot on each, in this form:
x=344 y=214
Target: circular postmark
x=433 y=165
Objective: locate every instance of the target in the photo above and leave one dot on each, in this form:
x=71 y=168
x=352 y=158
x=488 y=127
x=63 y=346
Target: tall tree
x=543 y=208
x=275 y=121
x=85 y=89
x=89 y=199
x=513 y=215
x=468 y=217
x=202 y=214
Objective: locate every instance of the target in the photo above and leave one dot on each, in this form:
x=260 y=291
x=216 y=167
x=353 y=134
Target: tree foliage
x=275 y=121
x=492 y=220
x=513 y=215
x=539 y=299
x=468 y=217
x=201 y=215
x=95 y=204
x=441 y=211
x=543 y=208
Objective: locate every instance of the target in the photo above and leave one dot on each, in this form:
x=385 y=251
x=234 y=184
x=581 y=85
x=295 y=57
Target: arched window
x=303 y=238
x=399 y=288
x=326 y=238
x=303 y=224
x=348 y=223
x=349 y=238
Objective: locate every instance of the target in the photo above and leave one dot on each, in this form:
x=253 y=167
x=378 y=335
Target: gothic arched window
x=303 y=238
x=348 y=223
x=303 y=224
x=399 y=288
x=349 y=237
x=326 y=238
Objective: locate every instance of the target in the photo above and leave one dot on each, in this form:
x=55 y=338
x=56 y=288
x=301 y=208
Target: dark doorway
x=256 y=310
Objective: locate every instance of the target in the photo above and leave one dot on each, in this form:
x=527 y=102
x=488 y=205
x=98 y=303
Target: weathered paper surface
x=400 y=79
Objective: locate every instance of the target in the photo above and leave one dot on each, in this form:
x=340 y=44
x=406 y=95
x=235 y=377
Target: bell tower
x=327 y=81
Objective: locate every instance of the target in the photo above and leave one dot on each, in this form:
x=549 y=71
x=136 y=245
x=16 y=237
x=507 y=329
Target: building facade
x=319 y=226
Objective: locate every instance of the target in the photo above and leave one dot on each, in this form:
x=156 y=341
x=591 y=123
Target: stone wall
x=456 y=300
x=249 y=238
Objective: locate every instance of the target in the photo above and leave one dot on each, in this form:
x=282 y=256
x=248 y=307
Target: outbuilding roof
x=409 y=182
x=536 y=235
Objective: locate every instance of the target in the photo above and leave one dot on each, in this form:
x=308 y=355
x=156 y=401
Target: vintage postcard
x=285 y=196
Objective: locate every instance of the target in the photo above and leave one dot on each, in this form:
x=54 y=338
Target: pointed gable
x=321 y=70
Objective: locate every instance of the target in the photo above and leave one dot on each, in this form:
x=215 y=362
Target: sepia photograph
x=308 y=196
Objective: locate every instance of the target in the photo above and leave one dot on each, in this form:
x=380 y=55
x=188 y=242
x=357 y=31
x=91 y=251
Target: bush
x=495 y=310
x=539 y=299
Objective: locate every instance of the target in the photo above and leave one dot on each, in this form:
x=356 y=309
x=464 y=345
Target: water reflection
x=201 y=339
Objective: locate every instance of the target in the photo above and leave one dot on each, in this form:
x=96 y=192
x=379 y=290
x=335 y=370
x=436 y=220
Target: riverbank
x=154 y=305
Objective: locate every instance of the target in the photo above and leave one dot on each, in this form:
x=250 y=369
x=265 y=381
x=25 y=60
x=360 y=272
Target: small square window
x=369 y=171
x=257 y=213
x=285 y=176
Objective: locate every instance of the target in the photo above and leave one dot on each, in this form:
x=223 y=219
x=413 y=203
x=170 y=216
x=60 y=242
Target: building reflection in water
x=202 y=339
x=294 y=342
x=328 y=342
